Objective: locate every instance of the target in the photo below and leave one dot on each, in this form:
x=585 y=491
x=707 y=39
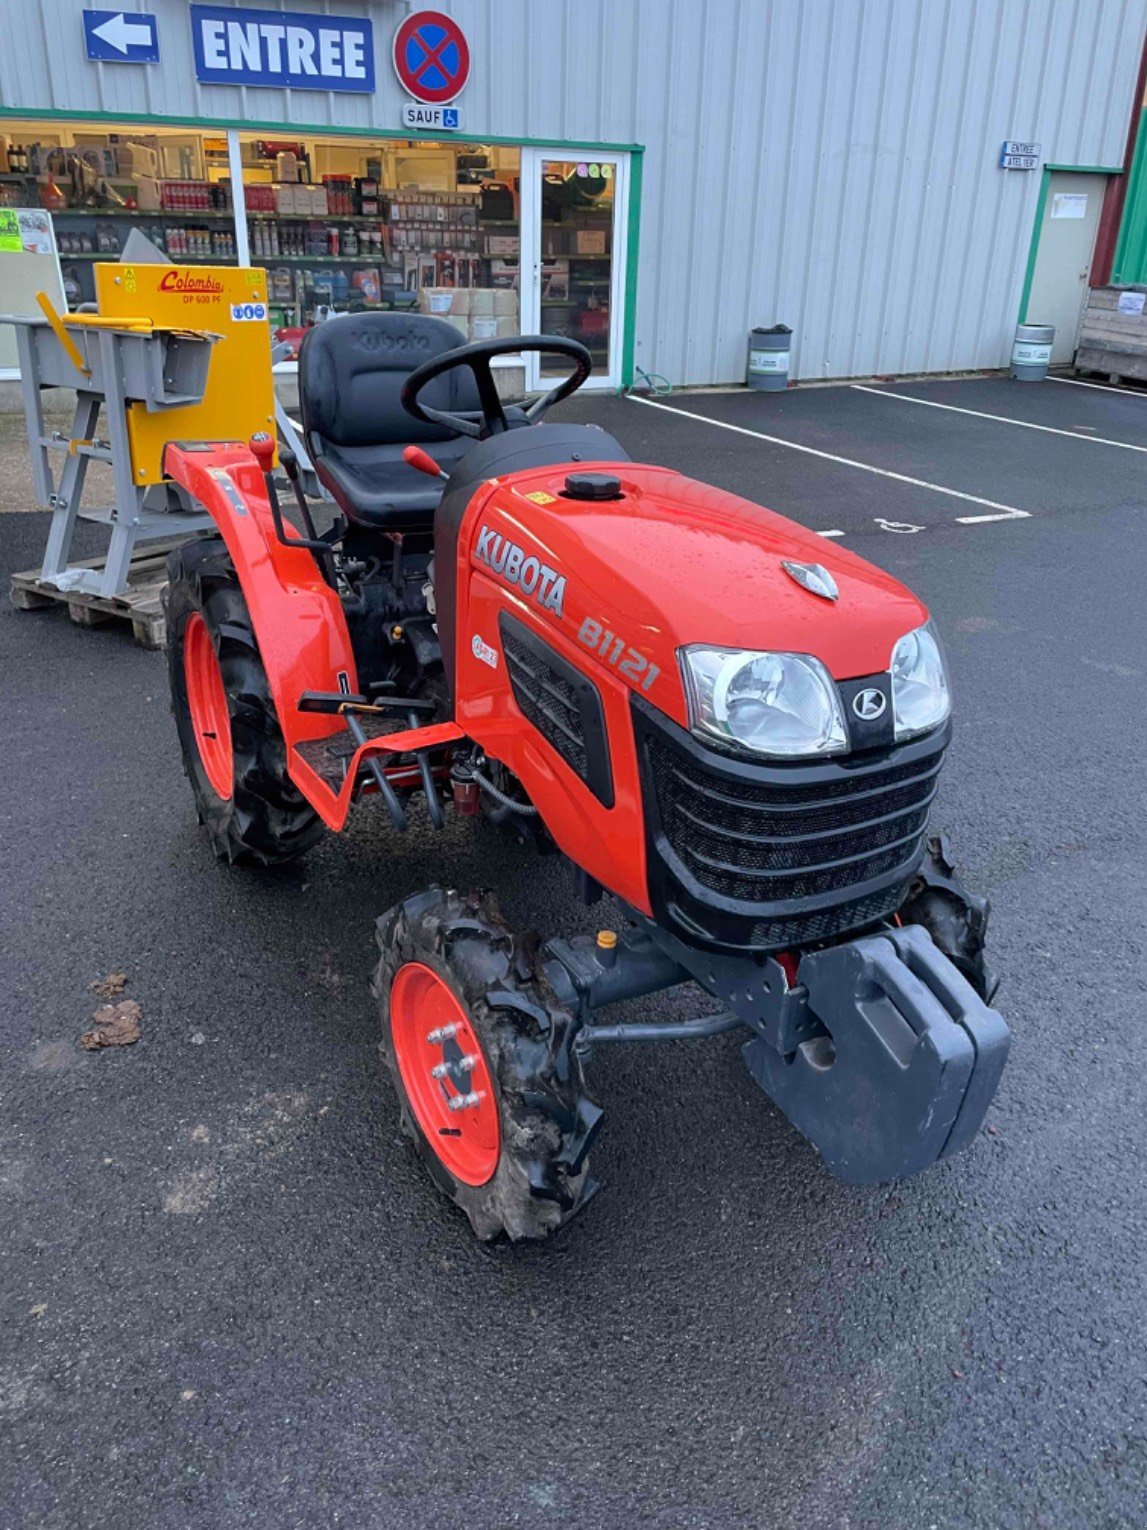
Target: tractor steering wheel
x=478 y=358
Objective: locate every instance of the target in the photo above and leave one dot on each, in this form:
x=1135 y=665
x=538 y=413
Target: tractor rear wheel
x=490 y=1088
x=233 y=747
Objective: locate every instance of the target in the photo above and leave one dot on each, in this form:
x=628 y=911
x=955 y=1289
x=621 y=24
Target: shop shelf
x=175 y=260
x=139 y=212
x=316 y=260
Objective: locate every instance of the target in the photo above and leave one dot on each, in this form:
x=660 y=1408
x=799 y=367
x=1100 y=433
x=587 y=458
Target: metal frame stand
x=139 y=511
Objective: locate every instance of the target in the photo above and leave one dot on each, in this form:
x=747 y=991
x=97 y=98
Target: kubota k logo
x=868 y=704
x=187 y=281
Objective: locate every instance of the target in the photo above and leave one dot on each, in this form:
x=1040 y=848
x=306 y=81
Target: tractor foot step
x=345 y=701
x=329 y=757
x=906 y=1064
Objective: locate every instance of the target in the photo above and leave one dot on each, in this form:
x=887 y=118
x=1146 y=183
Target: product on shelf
x=368 y=284
x=339 y=194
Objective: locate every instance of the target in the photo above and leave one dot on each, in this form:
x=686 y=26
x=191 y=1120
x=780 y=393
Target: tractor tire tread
x=548 y=1118
x=267 y=820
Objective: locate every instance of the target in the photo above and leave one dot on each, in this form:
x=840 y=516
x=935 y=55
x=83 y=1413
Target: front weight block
x=908 y=1065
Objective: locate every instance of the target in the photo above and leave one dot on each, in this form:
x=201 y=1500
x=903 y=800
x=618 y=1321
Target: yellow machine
x=173 y=353
x=239 y=398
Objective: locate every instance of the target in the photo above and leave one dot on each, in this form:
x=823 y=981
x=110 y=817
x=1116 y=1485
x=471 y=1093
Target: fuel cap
x=593 y=486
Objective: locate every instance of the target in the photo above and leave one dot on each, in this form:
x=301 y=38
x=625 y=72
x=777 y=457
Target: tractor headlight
x=920 y=695
x=780 y=704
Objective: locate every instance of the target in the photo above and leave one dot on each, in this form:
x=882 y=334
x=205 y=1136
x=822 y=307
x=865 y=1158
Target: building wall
x=1130 y=264
x=829 y=164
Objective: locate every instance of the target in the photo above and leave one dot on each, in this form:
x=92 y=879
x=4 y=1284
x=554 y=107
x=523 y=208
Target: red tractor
x=728 y=725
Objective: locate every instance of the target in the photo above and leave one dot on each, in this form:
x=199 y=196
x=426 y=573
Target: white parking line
x=978 y=520
x=1010 y=512
x=1078 y=382
x=830 y=533
x=1003 y=419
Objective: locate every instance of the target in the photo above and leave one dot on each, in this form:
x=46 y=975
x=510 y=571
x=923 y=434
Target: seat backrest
x=352 y=370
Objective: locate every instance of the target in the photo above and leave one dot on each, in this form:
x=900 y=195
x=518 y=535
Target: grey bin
x=769 y=358
x=1031 y=351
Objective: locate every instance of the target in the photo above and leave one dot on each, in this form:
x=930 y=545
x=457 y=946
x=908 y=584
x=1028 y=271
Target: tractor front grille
x=794 y=853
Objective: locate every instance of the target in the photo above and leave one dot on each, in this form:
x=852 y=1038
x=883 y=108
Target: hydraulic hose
x=525 y=808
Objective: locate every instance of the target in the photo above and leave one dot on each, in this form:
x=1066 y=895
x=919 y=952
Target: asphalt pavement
x=231 y=1297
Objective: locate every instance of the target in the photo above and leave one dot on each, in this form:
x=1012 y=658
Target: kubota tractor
x=728 y=725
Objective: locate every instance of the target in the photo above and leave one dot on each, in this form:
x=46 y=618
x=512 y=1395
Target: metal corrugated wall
x=826 y=163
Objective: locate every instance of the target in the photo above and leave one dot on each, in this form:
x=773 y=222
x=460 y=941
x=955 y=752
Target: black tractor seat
x=351 y=372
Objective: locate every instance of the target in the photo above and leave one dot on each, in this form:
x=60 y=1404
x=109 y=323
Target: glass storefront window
x=98 y=182
x=339 y=224
x=344 y=224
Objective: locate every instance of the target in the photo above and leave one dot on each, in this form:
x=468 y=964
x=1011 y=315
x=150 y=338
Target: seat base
x=375 y=487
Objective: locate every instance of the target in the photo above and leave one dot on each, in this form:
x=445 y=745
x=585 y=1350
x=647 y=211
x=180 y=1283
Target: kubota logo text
x=533 y=577
x=186 y=281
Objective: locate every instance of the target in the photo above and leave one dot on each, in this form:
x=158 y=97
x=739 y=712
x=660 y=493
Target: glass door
x=574 y=210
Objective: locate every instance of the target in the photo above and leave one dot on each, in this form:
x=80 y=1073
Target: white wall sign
x=1069 y=204
x=1019 y=156
x=446 y=118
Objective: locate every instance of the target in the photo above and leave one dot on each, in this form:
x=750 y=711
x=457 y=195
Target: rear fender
x=298 y=619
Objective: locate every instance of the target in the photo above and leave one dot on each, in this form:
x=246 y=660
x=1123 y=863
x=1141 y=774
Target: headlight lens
x=780 y=704
x=920 y=695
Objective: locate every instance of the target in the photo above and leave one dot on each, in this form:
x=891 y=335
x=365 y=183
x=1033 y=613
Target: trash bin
x=1031 y=351
x=769 y=358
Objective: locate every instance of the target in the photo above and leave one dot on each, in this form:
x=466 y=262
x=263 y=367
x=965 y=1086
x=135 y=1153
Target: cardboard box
x=483 y=327
x=436 y=300
x=591 y=241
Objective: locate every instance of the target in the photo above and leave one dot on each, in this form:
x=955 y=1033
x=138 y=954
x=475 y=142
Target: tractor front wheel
x=490 y=1088
x=233 y=747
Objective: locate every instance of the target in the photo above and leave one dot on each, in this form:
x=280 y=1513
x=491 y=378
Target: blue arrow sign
x=121 y=37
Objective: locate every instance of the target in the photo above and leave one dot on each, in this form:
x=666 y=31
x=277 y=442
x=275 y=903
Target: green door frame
x=1041 y=203
x=636 y=152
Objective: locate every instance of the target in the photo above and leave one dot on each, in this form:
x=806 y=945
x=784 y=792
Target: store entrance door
x=1066 y=244
x=573 y=257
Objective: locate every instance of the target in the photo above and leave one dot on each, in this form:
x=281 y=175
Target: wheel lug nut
x=464 y=1101
x=463 y=1065
x=442 y=1033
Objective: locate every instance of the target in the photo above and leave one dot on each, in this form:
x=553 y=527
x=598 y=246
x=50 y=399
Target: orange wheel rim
x=445 y=1074
x=207 y=703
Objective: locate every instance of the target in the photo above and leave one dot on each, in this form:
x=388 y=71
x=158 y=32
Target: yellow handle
x=53 y=318
x=99 y=321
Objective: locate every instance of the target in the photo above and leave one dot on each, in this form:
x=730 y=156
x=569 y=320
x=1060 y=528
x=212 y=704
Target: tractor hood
x=674 y=561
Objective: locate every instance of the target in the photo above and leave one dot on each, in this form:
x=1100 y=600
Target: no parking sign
x=431 y=57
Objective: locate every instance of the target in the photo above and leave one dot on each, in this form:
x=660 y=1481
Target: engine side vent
x=561 y=703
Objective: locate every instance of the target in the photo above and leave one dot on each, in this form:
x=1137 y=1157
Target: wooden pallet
x=140 y=604
x=1111 y=342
